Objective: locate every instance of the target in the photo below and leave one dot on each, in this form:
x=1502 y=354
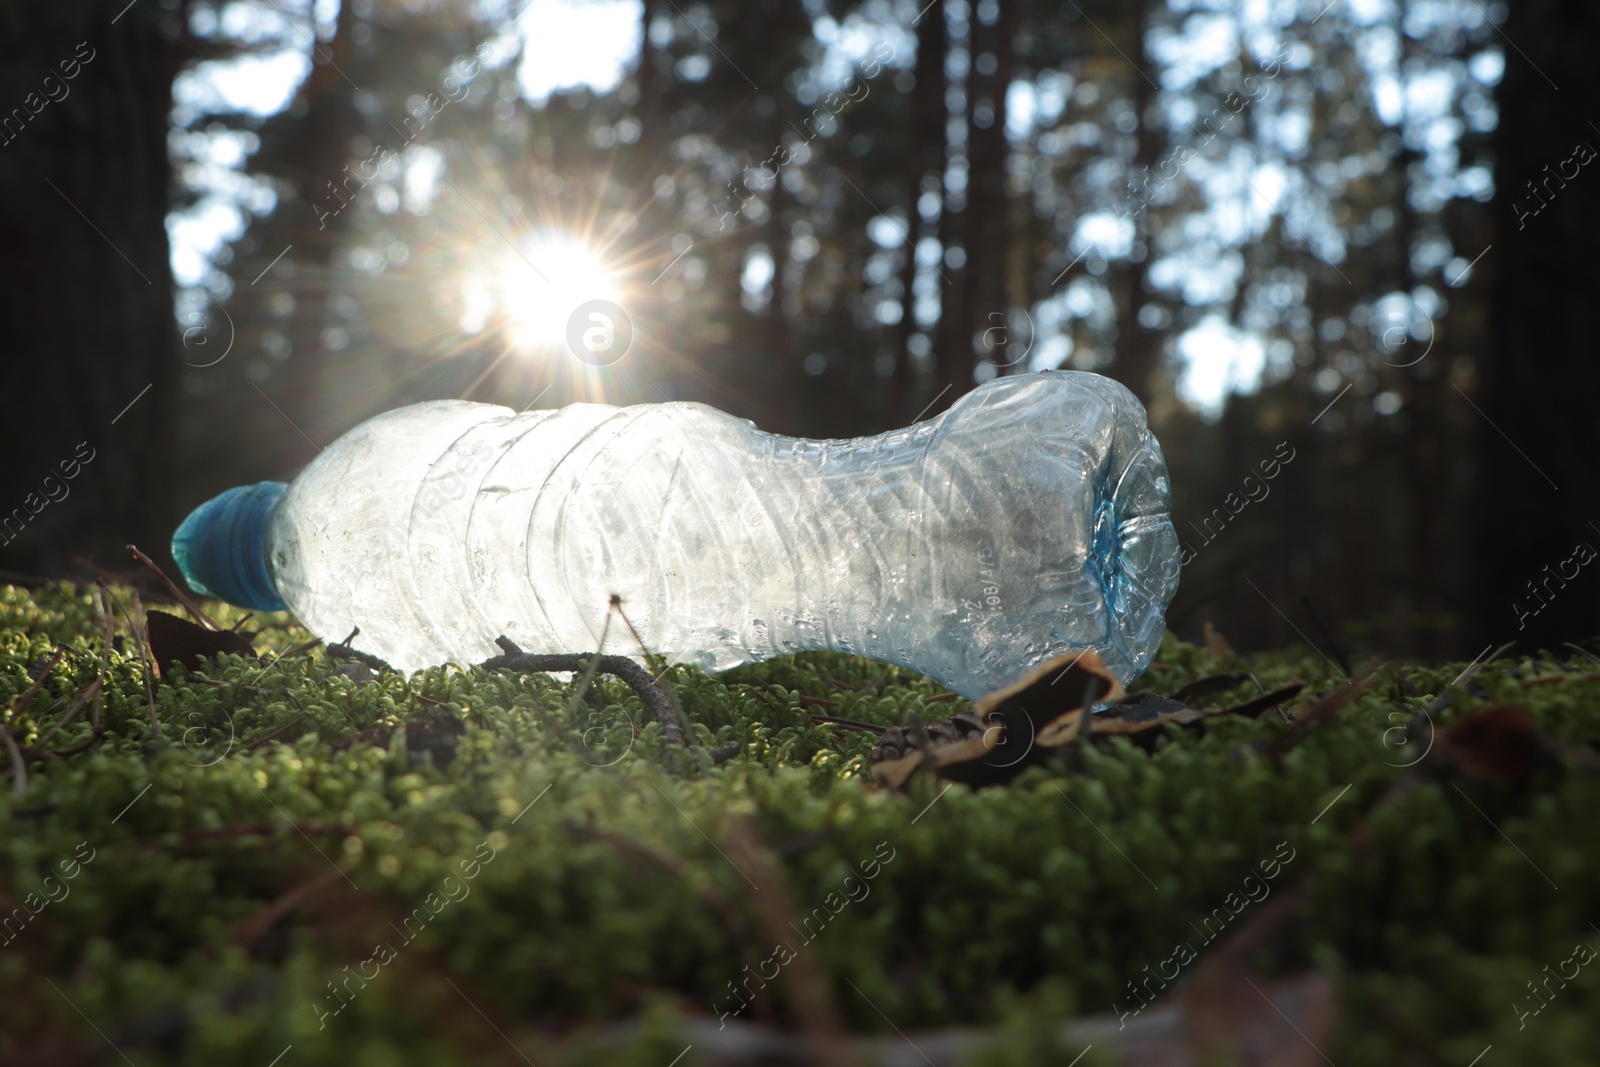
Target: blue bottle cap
x=221 y=548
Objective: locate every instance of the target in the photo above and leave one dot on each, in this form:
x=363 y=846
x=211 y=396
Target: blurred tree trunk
x=778 y=378
x=86 y=295
x=1135 y=362
x=953 y=347
x=317 y=397
x=1539 y=449
x=1423 y=473
x=988 y=243
x=924 y=157
x=1019 y=268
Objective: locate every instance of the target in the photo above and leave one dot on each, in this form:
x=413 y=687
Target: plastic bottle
x=1028 y=520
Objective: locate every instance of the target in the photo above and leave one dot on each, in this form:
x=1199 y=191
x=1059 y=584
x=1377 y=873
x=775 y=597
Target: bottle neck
x=221 y=548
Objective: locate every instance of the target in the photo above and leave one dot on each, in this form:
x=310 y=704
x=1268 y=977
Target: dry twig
x=19 y=766
x=93 y=691
x=183 y=598
x=144 y=655
x=649 y=690
x=274 y=735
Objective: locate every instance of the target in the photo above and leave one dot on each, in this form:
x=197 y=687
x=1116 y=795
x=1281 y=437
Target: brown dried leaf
x=177 y=640
x=1062 y=730
x=894 y=773
x=1152 y=712
x=1008 y=730
x=1254 y=707
x=1213 y=683
x=1496 y=744
x=1048 y=697
x=1140 y=707
x=1116 y=727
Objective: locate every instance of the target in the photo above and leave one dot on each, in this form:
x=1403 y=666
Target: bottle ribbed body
x=1028 y=520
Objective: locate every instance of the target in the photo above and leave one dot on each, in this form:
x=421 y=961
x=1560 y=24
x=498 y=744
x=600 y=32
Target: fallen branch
x=339 y=650
x=639 y=679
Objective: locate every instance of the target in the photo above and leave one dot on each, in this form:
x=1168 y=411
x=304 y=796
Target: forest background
x=1350 y=243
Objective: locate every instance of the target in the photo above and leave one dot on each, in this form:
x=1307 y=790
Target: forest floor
x=318 y=863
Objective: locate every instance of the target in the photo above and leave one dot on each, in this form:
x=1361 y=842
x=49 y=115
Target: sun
x=544 y=281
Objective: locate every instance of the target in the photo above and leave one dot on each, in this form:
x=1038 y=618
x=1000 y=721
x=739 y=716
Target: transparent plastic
x=1028 y=520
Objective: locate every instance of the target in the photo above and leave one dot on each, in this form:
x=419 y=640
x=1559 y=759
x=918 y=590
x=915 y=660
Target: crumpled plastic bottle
x=1027 y=521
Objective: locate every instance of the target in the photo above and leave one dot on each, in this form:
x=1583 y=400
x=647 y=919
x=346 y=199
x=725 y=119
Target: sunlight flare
x=540 y=285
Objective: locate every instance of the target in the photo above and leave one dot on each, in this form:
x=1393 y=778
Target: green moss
x=621 y=892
